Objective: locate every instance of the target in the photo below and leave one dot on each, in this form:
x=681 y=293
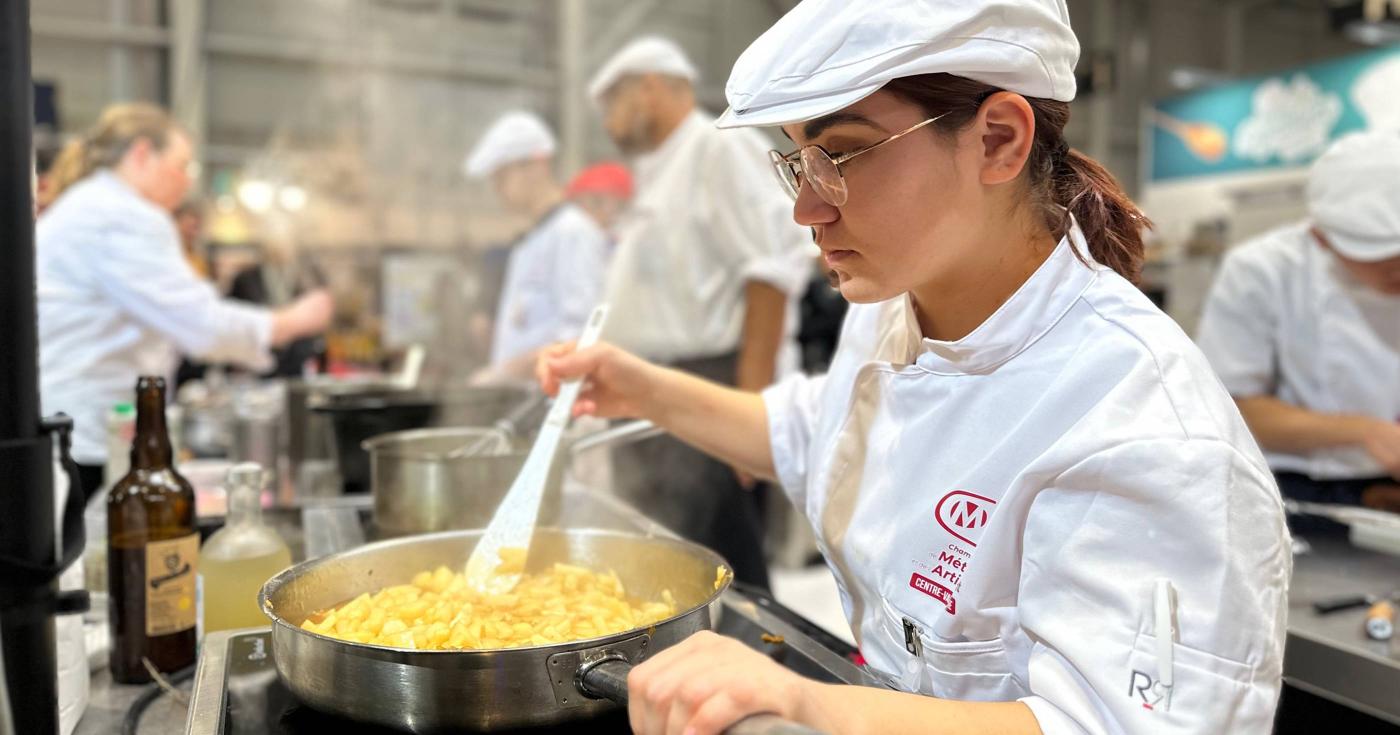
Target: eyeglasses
x=813 y=163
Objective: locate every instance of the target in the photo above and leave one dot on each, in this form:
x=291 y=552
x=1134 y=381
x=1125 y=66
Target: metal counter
x=1329 y=655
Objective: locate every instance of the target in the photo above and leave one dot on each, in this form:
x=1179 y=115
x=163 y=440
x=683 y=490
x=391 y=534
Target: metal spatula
x=514 y=522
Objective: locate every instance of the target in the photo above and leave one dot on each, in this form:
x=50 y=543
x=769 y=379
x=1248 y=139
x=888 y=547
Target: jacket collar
x=1031 y=311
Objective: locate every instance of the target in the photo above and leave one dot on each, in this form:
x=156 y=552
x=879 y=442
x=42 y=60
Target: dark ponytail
x=1061 y=181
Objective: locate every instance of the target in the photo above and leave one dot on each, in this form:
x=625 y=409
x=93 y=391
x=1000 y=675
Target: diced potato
x=438 y=610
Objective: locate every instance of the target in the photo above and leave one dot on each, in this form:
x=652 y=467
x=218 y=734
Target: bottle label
x=171 y=585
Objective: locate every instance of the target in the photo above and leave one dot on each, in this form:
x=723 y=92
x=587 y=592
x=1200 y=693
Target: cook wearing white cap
x=555 y=273
x=706 y=277
x=1303 y=325
x=1043 y=511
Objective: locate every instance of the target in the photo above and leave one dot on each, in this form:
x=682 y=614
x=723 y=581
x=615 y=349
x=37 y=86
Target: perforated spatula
x=507 y=538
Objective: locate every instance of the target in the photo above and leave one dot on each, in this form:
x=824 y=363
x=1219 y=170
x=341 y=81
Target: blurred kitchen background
x=339 y=126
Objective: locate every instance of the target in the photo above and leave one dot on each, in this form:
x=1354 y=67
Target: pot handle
x=607 y=679
x=628 y=432
x=526 y=415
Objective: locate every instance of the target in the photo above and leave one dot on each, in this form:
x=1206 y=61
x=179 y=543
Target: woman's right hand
x=308 y=316
x=1382 y=442
x=617 y=384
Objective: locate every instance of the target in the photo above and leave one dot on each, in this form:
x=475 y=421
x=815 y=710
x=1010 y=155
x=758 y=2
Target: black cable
x=132 y=722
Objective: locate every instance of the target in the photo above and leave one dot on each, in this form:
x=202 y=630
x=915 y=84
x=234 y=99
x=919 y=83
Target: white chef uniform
x=1285 y=319
x=1010 y=506
x=708 y=217
x=552 y=283
x=117 y=300
x=556 y=270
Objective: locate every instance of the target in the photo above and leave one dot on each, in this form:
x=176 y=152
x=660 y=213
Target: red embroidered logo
x=936 y=591
x=964 y=514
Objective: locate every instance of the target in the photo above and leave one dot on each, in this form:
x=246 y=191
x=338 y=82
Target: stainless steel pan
x=435 y=691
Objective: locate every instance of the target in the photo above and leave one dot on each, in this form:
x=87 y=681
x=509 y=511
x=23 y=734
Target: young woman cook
x=1043 y=511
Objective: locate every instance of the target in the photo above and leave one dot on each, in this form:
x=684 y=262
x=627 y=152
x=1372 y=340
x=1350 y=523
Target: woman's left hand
x=708 y=682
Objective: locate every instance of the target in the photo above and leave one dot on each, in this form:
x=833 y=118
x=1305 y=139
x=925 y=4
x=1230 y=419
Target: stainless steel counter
x=1329 y=655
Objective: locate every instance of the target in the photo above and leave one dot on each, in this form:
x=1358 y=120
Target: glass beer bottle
x=153 y=551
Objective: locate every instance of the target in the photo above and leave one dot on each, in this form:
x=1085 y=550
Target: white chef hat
x=825 y=55
x=515 y=136
x=1354 y=195
x=645 y=55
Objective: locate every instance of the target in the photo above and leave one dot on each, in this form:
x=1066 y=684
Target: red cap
x=602 y=178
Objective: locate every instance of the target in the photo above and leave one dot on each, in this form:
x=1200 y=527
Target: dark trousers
x=695 y=495
x=1342 y=492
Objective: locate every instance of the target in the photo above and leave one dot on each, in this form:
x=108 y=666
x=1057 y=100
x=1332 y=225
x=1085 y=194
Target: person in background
x=189 y=222
x=1303 y=327
x=280 y=279
x=603 y=191
x=44 y=158
x=706 y=276
x=488 y=269
x=556 y=269
x=117 y=299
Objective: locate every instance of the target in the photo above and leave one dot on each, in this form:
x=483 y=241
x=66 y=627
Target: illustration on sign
x=1287 y=120
x=1280 y=121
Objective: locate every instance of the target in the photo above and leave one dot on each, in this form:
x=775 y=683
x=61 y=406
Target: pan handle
x=607 y=679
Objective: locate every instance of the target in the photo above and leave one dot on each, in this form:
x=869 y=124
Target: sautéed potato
x=439 y=610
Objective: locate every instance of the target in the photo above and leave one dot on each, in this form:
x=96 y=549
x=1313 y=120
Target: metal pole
x=187 y=69
x=1102 y=42
x=19 y=380
x=572 y=120
x=120 y=84
x=26 y=457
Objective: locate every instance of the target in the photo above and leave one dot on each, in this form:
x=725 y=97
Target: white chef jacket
x=552 y=283
x=709 y=216
x=1018 y=496
x=117 y=300
x=1285 y=319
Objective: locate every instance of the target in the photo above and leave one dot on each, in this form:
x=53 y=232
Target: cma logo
x=1154 y=694
x=964 y=514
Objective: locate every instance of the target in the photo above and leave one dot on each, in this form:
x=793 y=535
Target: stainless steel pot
x=425 y=691
x=418 y=487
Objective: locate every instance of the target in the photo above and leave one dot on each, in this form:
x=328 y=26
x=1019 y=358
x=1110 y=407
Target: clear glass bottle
x=241 y=556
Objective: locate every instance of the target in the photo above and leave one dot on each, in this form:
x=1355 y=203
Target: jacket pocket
x=1207 y=693
x=978 y=671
